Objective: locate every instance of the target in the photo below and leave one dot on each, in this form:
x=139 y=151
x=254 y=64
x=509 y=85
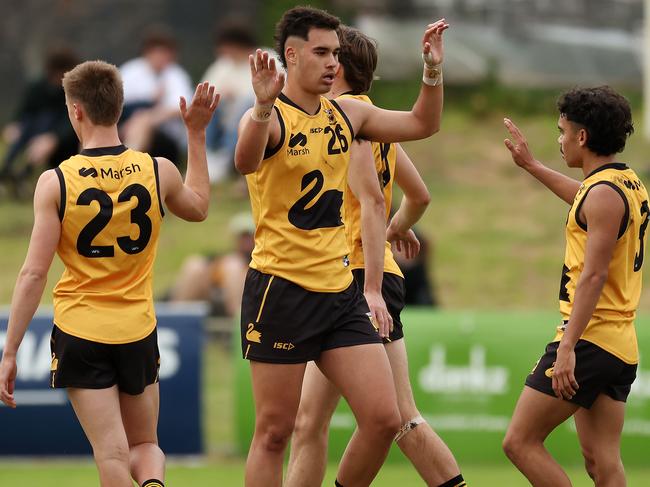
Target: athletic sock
x=455 y=482
x=153 y=483
x=337 y=484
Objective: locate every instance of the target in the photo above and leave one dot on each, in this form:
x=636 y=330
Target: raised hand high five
x=267 y=79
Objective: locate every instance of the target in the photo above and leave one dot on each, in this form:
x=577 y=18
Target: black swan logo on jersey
x=324 y=213
x=84 y=172
x=298 y=139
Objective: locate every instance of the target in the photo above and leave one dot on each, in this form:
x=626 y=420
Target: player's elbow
x=596 y=278
x=33 y=274
x=245 y=164
x=421 y=198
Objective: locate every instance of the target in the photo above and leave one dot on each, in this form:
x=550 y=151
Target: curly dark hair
x=603 y=113
x=298 y=21
x=358 y=57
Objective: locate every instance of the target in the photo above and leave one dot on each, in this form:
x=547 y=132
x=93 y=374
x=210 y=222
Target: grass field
x=230 y=473
x=499 y=243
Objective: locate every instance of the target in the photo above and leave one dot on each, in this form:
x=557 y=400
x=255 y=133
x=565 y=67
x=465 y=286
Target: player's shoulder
x=351 y=96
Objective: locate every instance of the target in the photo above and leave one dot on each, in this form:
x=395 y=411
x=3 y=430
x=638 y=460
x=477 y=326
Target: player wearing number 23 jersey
x=110 y=214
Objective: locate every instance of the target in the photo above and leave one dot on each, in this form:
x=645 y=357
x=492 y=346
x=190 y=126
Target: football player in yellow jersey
x=387 y=164
x=101 y=211
x=300 y=302
x=590 y=365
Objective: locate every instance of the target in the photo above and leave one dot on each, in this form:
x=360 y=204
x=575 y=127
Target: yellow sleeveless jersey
x=385 y=160
x=612 y=324
x=297 y=199
x=110 y=220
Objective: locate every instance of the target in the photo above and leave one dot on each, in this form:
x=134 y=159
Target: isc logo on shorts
x=284 y=346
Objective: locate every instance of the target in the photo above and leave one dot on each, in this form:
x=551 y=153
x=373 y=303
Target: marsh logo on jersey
x=298 y=139
x=115 y=174
x=84 y=172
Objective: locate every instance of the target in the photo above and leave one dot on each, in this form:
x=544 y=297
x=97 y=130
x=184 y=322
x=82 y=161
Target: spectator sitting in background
x=218 y=280
x=230 y=71
x=153 y=83
x=419 y=290
x=40 y=129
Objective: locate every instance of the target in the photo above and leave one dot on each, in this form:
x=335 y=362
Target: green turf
x=230 y=473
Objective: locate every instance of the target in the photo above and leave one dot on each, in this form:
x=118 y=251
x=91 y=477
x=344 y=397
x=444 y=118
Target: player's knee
x=512 y=445
x=111 y=453
x=600 y=466
x=386 y=424
x=275 y=437
x=307 y=428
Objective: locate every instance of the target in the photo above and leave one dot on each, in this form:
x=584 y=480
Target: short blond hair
x=97 y=85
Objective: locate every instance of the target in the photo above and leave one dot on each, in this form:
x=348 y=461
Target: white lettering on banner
x=475 y=378
x=34 y=358
x=170 y=360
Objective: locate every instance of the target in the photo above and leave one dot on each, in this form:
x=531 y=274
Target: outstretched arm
x=32 y=278
x=414 y=202
x=190 y=199
x=364 y=183
x=259 y=127
x=423 y=120
x=563 y=186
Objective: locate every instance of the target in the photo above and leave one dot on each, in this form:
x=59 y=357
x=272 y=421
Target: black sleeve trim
x=626 y=217
x=155 y=172
x=345 y=117
x=59 y=174
x=271 y=152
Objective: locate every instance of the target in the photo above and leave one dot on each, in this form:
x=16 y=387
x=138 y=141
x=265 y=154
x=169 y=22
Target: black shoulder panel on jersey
x=274 y=150
x=626 y=217
x=345 y=117
x=59 y=174
x=155 y=173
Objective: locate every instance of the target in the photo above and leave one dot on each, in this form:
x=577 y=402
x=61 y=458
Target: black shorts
x=91 y=365
x=597 y=372
x=394 y=294
x=284 y=323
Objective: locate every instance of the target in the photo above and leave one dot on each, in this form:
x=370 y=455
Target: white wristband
x=432 y=74
x=261 y=113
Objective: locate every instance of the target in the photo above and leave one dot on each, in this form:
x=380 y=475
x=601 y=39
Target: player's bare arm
x=414 y=203
x=603 y=210
x=563 y=186
x=259 y=128
x=32 y=278
x=362 y=179
x=374 y=123
x=190 y=199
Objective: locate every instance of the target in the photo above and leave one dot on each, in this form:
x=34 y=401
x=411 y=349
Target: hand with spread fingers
x=267 y=79
x=518 y=146
x=198 y=114
x=432 y=49
x=563 y=380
